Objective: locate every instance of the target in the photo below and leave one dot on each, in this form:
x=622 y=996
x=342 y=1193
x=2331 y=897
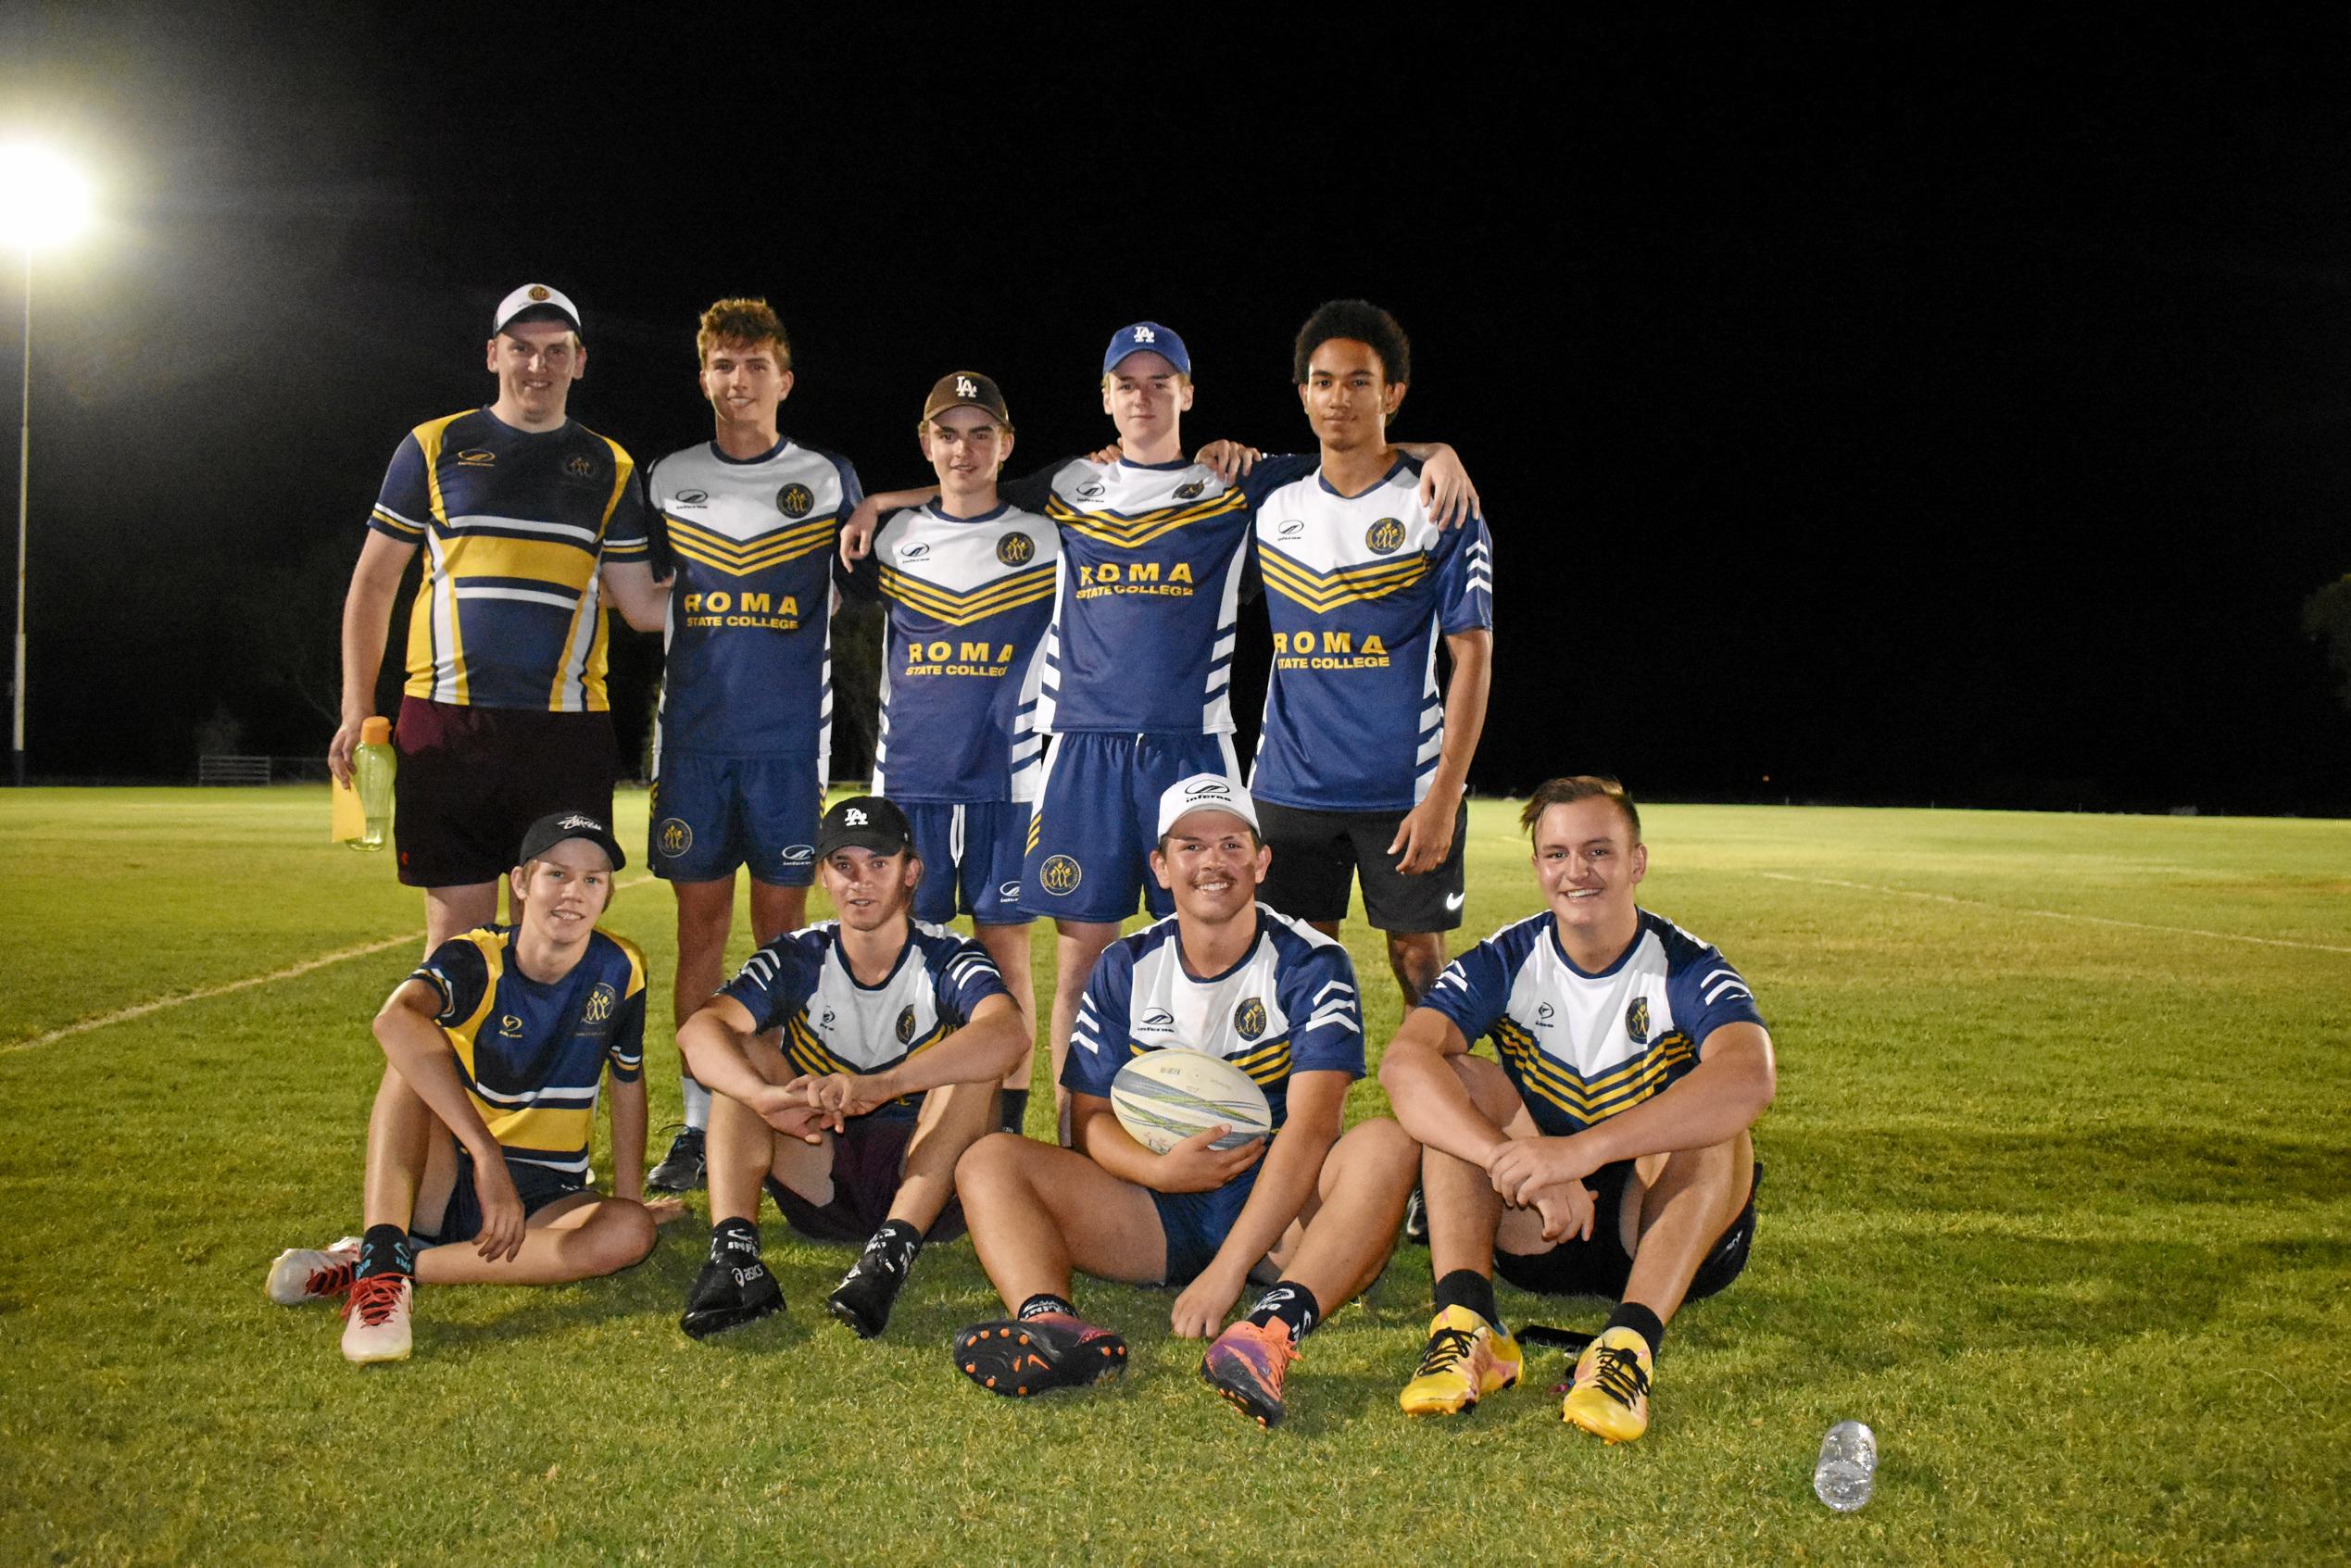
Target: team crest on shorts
x=1250 y=1018
x=1636 y=1020
x=600 y=1004
x=1060 y=875
x=1190 y=492
x=678 y=836
x=1384 y=537
x=905 y=1026
x=1017 y=550
x=795 y=501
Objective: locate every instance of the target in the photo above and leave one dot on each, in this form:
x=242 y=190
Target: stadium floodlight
x=43 y=201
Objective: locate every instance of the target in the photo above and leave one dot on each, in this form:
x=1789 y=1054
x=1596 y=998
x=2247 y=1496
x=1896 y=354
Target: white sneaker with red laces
x=375 y=1325
x=311 y=1274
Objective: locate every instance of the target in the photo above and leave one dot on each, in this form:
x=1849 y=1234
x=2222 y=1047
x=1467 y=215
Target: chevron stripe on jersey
x=749 y=671
x=968 y=600
x=1581 y=1047
x=1358 y=589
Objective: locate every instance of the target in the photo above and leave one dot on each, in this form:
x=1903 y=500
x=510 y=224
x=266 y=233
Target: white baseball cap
x=534 y=296
x=1204 y=791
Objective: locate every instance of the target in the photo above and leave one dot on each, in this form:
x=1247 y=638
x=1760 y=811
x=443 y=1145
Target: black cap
x=863 y=821
x=556 y=826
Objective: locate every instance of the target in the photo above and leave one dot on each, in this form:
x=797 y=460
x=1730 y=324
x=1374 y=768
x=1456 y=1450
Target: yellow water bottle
x=372 y=764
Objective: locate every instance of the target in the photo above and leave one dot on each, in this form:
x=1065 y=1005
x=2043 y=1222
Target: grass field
x=2057 y=1201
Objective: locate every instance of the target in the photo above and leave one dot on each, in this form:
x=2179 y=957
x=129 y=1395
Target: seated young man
x=894 y=1035
x=1312 y=1210
x=1609 y=1154
x=497 y=1047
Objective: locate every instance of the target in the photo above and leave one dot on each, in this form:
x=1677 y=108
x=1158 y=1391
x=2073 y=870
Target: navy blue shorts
x=1097 y=816
x=536 y=1184
x=971 y=859
x=1196 y=1225
x=1600 y=1266
x=711 y=814
x=869 y=1160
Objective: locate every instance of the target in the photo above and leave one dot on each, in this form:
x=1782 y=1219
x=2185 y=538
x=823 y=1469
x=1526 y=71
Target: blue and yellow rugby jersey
x=1581 y=1047
x=1358 y=589
x=533 y=1056
x=799 y=983
x=514 y=523
x=1289 y=1005
x=969 y=599
x=1150 y=588
x=749 y=640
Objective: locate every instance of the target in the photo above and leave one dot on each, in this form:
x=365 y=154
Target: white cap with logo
x=1204 y=791
x=534 y=296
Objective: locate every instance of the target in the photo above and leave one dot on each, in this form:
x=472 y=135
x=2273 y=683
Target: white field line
x=124 y=1015
x=2058 y=914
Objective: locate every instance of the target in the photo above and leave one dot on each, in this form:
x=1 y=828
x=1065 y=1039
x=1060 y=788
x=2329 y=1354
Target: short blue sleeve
x=1270 y=473
x=1319 y=994
x=1706 y=993
x=404 y=506
x=457 y=970
x=1473 y=991
x=1465 y=579
x=1098 y=1040
x=626 y=1053
x=628 y=525
x=776 y=982
x=963 y=976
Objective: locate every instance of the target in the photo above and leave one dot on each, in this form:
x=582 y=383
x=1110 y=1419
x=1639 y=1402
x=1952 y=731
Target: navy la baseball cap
x=556 y=826
x=863 y=821
x=1147 y=337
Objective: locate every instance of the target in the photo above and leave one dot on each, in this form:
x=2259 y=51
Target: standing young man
x=1362 y=759
x=968 y=580
x=1135 y=681
x=1609 y=1154
x=1309 y=1211
x=496 y=1048
x=528 y=517
x=894 y=1036
x=744 y=733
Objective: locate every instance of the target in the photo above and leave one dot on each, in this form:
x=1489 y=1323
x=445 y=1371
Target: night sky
x=1867 y=408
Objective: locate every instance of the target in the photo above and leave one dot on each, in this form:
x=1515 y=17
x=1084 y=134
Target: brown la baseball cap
x=966 y=389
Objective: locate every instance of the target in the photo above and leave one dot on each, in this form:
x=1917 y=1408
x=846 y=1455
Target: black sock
x=385 y=1249
x=1642 y=1321
x=733 y=1241
x=1043 y=1302
x=1467 y=1287
x=1291 y=1305
x=900 y=1242
x=1013 y=1110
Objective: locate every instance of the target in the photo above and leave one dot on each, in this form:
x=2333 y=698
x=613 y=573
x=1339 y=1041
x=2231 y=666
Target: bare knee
x=990 y=1162
x=1416 y=958
x=1382 y=1141
x=622 y=1237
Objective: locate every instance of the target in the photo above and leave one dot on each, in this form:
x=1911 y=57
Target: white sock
x=698 y=1102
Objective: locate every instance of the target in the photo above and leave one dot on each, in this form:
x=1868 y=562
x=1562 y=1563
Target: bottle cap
x=375 y=732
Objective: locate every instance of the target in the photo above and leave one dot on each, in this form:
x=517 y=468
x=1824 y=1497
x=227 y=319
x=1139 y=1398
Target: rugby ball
x=1163 y=1097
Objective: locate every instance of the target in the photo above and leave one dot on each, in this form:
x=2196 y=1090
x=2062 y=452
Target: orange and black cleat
x=1247 y=1364
x=1021 y=1357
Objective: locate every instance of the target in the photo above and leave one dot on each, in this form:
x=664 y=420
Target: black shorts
x=461 y=1220
x=869 y=1156
x=472 y=780
x=1316 y=854
x=1600 y=1266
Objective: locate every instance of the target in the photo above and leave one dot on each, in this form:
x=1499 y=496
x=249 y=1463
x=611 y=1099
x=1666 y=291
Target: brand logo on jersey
x=797 y=854
x=795 y=501
x=538 y=292
x=477 y=458
x=511 y=1026
x=678 y=836
x=826 y=1021
x=1250 y=1018
x=914 y=552
x=1159 y=1021
x=1060 y=875
x=691 y=498
x=580 y=467
x=905 y=1024
x=1190 y=492
x=965 y=386
x=1384 y=537
x=1017 y=550
x=600 y=1003
x=1092 y=490
x=1636 y=1020
x=1009 y=891
x=1543 y=1014
x=855 y=817
x=1290 y=530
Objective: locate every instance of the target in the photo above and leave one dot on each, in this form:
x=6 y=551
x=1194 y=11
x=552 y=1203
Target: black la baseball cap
x=863 y=821
x=556 y=826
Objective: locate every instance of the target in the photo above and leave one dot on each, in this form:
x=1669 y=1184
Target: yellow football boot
x=1610 y=1396
x=1466 y=1358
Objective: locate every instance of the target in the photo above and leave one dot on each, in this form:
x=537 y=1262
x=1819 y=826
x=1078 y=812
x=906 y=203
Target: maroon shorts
x=471 y=780
x=868 y=1156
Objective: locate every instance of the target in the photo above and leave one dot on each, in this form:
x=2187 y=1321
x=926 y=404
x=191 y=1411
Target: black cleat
x=868 y=1290
x=1028 y=1356
x=1416 y=1219
x=681 y=1167
x=727 y=1296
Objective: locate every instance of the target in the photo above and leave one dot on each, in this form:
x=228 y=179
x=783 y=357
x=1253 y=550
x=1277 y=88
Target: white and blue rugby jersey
x=749 y=640
x=1581 y=1047
x=1289 y=1005
x=969 y=599
x=1358 y=589
x=799 y=983
x=1149 y=590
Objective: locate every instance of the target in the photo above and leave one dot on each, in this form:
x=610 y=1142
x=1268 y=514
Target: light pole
x=42 y=201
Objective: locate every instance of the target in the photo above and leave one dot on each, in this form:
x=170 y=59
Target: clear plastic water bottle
x=372 y=764
x=1848 y=1467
